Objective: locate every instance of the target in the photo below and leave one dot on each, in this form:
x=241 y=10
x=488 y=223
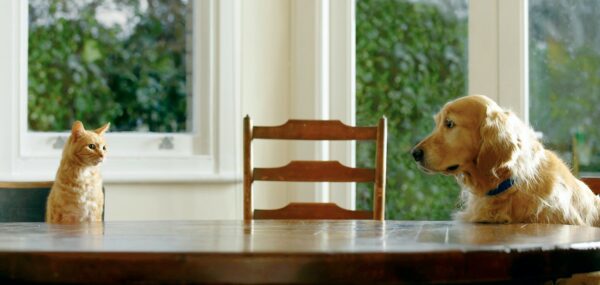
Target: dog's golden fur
x=482 y=145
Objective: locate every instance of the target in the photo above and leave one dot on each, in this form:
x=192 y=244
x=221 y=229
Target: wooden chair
x=593 y=183
x=315 y=171
x=23 y=201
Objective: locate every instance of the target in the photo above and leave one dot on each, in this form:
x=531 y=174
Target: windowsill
x=142 y=178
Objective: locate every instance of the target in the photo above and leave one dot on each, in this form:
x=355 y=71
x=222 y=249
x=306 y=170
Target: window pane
x=411 y=58
x=564 y=72
x=119 y=61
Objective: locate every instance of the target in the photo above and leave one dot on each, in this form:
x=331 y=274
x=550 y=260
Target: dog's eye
x=449 y=124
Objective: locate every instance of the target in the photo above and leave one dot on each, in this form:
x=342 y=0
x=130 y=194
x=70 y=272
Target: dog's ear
x=499 y=141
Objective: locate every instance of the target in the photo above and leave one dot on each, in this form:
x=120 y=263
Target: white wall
x=170 y=201
x=265 y=92
x=266 y=85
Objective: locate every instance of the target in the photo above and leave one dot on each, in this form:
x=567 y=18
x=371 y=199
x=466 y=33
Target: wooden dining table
x=294 y=251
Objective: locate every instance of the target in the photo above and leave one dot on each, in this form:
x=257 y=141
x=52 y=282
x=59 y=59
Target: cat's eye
x=104 y=148
x=92 y=146
x=449 y=124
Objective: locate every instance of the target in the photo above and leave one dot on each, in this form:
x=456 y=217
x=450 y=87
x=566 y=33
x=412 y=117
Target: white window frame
x=323 y=87
x=498 y=52
x=209 y=153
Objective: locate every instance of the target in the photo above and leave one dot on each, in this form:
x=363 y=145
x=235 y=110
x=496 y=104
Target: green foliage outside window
x=81 y=68
x=564 y=76
x=410 y=59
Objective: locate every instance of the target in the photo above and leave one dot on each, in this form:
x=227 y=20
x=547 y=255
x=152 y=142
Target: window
x=411 y=58
x=124 y=62
x=564 y=72
x=537 y=58
x=129 y=63
x=164 y=73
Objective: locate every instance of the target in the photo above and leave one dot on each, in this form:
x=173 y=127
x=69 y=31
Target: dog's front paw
x=470 y=217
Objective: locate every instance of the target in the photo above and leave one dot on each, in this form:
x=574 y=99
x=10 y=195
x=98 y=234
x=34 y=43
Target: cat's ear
x=77 y=130
x=103 y=129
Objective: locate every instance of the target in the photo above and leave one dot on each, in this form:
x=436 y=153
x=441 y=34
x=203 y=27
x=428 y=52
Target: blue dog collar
x=504 y=185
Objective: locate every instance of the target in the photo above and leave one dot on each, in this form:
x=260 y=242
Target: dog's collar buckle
x=504 y=185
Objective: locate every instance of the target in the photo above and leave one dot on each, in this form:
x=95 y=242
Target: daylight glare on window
x=564 y=72
x=127 y=62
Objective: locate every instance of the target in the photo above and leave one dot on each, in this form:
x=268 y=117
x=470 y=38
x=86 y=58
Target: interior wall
x=265 y=93
x=170 y=201
x=266 y=80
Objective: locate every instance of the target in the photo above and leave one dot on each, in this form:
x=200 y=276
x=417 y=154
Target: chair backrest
x=23 y=201
x=593 y=183
x=315 y=171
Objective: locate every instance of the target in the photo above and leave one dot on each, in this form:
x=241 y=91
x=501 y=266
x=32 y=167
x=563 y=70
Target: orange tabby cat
x=76 y=195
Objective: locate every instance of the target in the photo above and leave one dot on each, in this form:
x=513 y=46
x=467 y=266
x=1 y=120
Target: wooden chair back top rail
x=314 y=171
x=297 y=211
x=315 y=130
x=593 y=183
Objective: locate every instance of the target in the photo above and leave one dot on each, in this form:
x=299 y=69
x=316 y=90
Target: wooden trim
x=26 y=185
x=315 y=130
x=312 y=211
x=380 y=168
x=593 y=183
x=315 y=171
x=247 y=168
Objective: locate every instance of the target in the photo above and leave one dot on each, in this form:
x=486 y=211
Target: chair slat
x=315 y=130
x=312 y=211
x=315 y=171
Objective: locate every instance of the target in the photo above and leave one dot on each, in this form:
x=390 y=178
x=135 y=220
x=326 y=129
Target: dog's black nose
x=417 y=154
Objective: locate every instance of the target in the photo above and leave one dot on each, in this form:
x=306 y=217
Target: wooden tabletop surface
x=294 y=251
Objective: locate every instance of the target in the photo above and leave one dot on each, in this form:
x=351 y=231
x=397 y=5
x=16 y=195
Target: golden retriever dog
x=505 y=173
